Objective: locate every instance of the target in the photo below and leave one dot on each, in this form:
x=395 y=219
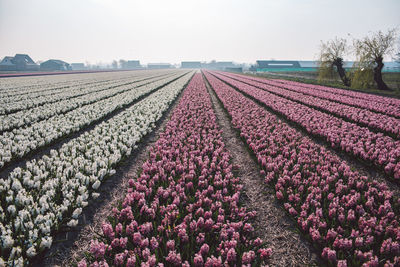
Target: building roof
x=132 y=63
x=18 y=59
x=7 y=61
x=224 y=63
x=23 y=57
x=57 y=61
x=190 y=64
x=278 y=64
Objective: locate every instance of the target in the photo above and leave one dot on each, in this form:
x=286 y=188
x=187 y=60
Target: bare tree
x=373 y=49
x=331 y=59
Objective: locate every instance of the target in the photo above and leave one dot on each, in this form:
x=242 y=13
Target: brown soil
x=272 y=224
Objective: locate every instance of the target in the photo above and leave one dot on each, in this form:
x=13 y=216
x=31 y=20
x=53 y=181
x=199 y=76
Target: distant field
x=391 y=78
x=6 y=74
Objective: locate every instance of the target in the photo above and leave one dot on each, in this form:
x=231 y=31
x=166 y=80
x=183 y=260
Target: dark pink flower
x=231 y=255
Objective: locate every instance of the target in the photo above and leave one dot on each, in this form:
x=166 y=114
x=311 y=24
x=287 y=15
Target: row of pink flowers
x=353 y=220
x=183 y=209
x=355 y=94
x=375 y=148
x=364 y=117
x=382 y=106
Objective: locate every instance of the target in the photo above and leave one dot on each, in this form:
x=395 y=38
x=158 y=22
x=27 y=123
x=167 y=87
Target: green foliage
x=326 y=72
x=362 y=78
x=362 y=74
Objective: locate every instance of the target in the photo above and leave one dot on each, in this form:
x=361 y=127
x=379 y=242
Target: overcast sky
x=176 y=30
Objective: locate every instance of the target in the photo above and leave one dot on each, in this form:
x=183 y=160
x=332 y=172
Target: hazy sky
x=172 y=31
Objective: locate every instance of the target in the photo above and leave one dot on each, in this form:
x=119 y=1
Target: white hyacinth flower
x=76 y=213
x=31 y=252
x=19 y=262
x=46 y=242
x=96 y=185
x=7 y=241
x=72 y=223
x=11 y=209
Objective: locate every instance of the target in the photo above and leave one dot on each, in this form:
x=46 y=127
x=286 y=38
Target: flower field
x=378 y=104
x=51 y=191
x=59 y=105
x=352 y=219
x=23 y=140
x=63 y=137
x=183 y=208
x=376 y=148
x=375 y=121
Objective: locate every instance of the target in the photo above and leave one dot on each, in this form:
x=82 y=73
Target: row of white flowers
x=28 y=85
x=28 y=116
x=52 y=89
x=15 y=104
x=22 y=92
x=18 y=142
x=52 y=191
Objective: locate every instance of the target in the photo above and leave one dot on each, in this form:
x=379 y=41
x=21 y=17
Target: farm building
x=234 y=69
x=190 y=64
x=294 y=65
x=132 y=64
x=20 y=62
x=159 y=66
x=218 y=65
x=7 y=64
x=78 y=66
x=267 y=64
x=285 y=65
x=224 y=64
x=54 y=64
x=221 y=65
